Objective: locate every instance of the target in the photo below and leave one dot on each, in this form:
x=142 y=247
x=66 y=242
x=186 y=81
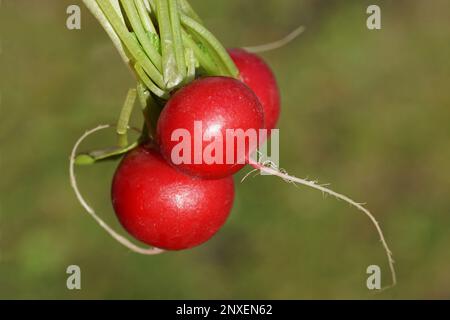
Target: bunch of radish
x=184 y=77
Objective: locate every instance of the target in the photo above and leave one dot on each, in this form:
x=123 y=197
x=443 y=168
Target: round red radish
x=203 y=128
x=165 y=208
x=255 y=73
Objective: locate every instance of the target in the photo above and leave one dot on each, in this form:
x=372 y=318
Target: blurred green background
x=367 y=111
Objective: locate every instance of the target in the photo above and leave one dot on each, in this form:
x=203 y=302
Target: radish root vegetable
x=198 y=107
x=73 y=181
x=271 y=168
x=168 y=49
x=165 y=208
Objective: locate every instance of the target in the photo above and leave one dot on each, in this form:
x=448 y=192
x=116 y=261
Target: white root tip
x=73 y=181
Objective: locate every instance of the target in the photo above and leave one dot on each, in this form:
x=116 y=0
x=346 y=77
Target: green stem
x=99 y=155
x=203 y=57
x=177 y=39
x=187 y=9
x=212 y=41
x=102 y=19
x=144 y=97
x=131 y=43
x=150 y=109
x=138 y=68
x=124 y=118
x=136 y=23
x=220 y=68
x=152 y=5
x=172 y=77
x=142 y=94
x=192 y=63
x=116 y=6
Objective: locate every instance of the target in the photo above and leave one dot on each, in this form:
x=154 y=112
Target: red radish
x=165 y=208
x=255 y=73
x=220 y=105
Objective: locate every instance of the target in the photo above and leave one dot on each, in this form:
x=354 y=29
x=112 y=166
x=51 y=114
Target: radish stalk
x=191 y=65
x=212 y=41
x=178 y=45
x=142 y=37
x=105 y=23
x=124 y=118
x=147 y=23
x=157 y=48
x=172 y=76
x=189 y=11
x=131 y=43
x=139 y=69
x=204 y=58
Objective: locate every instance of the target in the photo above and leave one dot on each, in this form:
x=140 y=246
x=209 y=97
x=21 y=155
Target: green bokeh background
x=367 y=111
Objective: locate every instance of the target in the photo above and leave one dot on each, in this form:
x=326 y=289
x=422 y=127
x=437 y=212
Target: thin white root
x=119 y=238
x=277 y=44
x=271 y=169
